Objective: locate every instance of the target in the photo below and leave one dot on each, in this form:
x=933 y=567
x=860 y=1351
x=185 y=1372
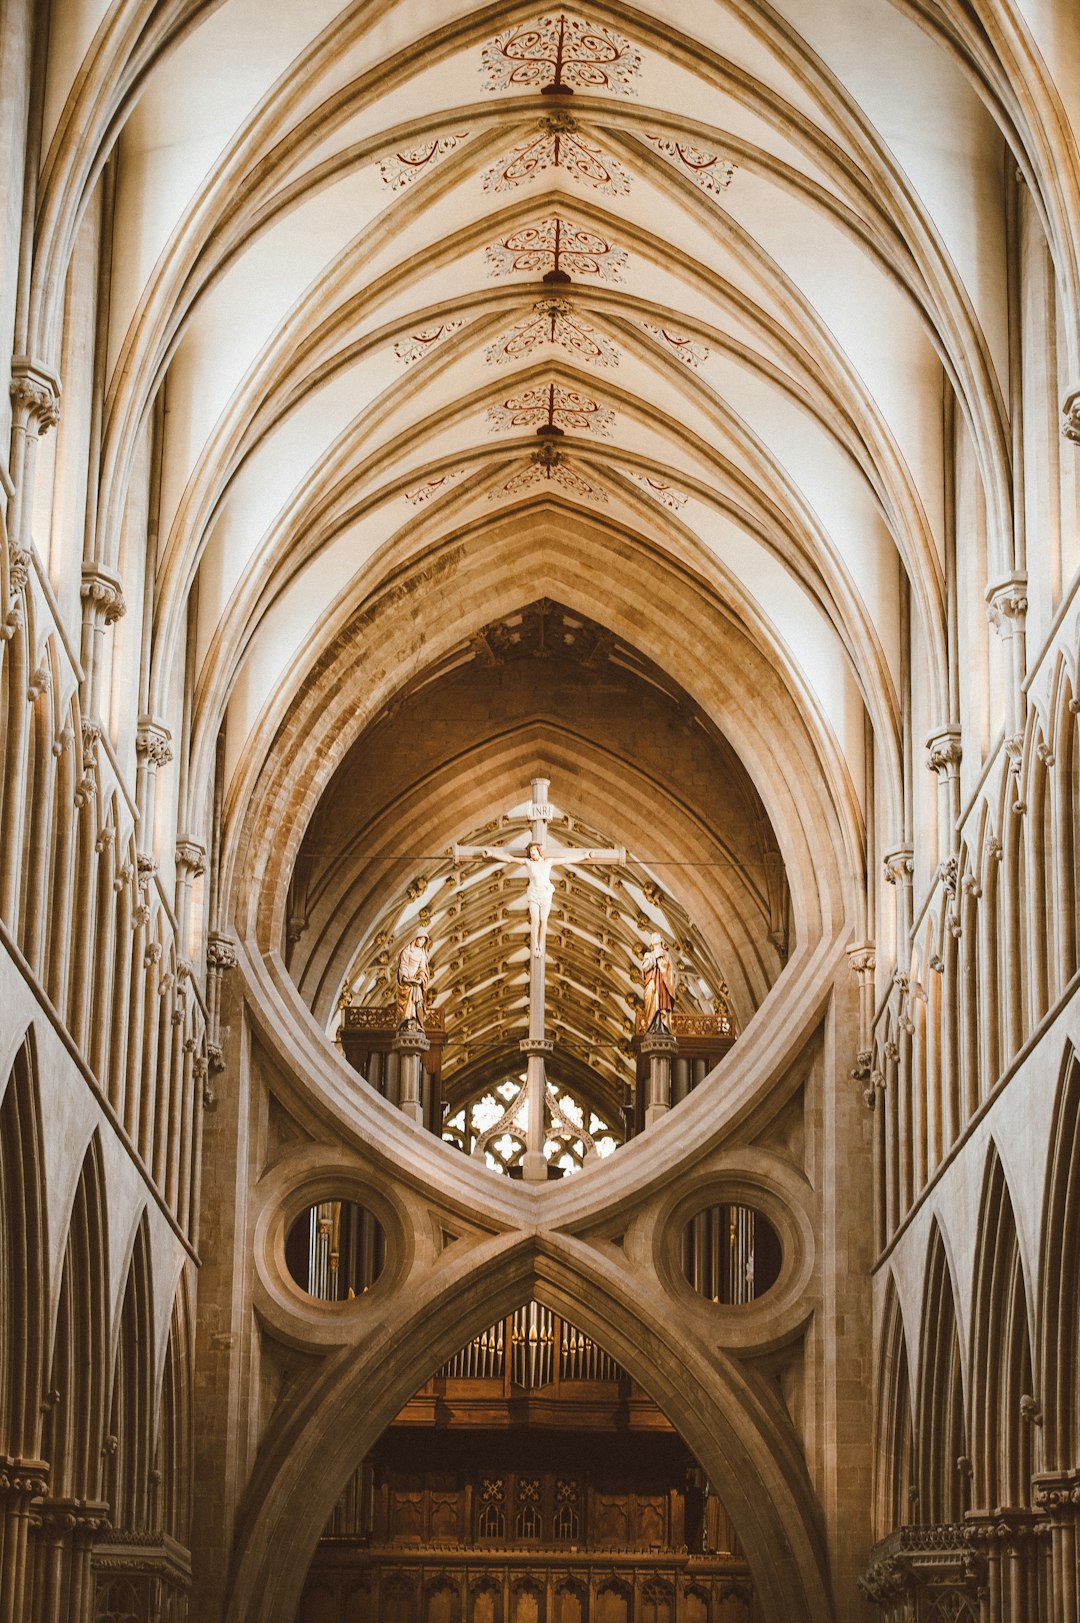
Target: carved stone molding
x=1070 y=417
x=1057 y=1494
x=102 y=594
x=19 y=562
x=1006 y=604
x=35 y=395
x=39 y=683
x=91 y=738
x=23 y=1478
x=220 y=952
x=915 y=1558
x=899 y=865
x=153 y=742
x=863 y=960
x=190 y=858
x=943 y=751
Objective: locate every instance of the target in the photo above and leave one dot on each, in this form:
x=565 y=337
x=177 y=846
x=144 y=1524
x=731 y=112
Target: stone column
x=35 y=408
x=1070 y=415
x=659 y=1048
x=408 y=1046
x=1057 y=1498
x=153 y=749
x=536 y=1049
x=899 y=871
x=1007 y=612
x=190 y=859
x=21 y=1483
x=943 y=756
x=103 y=605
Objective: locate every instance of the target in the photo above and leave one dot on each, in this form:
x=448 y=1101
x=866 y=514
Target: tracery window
x=501 y=1154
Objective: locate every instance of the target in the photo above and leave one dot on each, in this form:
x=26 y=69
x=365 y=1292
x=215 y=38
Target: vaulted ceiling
x=688 y=292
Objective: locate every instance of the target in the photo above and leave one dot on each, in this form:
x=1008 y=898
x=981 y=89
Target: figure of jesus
x=541 y=888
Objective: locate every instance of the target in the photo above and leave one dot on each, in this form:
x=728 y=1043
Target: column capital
x=190 y=858
x=537 y=1045
x=35 y=395
x=899 y=865
x=102 y=593
x=943 y=751
x=220 y=951
x=1070 y=416
x=153 y=741
x=409 y=1041
x=659 y=1042
x=863 y=959
x=1006 y=604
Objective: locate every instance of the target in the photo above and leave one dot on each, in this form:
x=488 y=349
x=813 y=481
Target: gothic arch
x=1060 y=1284
x=128 y=1458
x=894 y=1462
x=75 y=1424
x=173 y=1452
x=24 y=1267
x=940 y=1428
x=764 y=1486
x=1000 y=1360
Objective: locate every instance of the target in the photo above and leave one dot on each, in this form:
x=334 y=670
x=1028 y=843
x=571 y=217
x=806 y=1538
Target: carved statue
x=660 y=980
x=538 y=868
x=413 y=975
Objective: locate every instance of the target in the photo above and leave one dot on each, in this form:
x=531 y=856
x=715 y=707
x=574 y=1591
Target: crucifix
x=538 y=863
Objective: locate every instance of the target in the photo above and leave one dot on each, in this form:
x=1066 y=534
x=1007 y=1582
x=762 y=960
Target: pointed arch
x=24 y=1263
x=74 y=1431
x=173 y=1455
x=1000 y=1361
x=127 y=1469
x=1059 y=1294
x=893 y=1445
x=940 y=1427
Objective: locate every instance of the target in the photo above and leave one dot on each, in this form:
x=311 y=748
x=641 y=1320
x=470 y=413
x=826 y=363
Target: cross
x=538 y=863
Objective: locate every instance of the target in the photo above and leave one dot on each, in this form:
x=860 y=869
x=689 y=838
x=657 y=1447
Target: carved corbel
x=38 y=684
x=220 y=952
x=1070 y=417
x=35 y=396
x=91 y=738
x=943 y=751
x=899 y=865
x=153 y=743
x=190 y=858
x=102 y=595
x=1006 y=604
x=19 y=562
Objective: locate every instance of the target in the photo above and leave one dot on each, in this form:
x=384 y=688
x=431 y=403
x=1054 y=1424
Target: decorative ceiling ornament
x=414 y=345
x=559 y=145
x=687 y=349
x=554 y=321
x=400 y=169
x=548 y=464
x=560 y=54
x=551 y=409
x=666 y=494
x=712 y=172
x=434 y=487
x=556 y=249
